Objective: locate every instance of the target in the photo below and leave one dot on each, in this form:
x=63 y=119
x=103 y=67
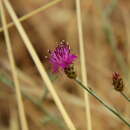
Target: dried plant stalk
x=14 y=125
x=36 y=11
x=23 y=120
x=39 y=65
x=83 y=65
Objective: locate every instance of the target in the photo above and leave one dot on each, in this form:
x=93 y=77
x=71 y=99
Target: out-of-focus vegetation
x=106 y=30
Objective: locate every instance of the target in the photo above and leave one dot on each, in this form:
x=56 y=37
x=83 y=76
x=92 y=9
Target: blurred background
x=106 y=30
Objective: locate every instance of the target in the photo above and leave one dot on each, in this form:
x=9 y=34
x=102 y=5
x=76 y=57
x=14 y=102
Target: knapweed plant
x=62 y=58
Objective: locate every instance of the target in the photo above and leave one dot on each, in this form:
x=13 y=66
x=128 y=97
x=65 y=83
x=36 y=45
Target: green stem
x=90 y=91
x=45 y=93
x=128 y=99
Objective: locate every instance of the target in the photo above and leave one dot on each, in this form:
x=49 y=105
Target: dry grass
x=106 y=45
x=83 y=64
x=23 y=120
x=39 y=65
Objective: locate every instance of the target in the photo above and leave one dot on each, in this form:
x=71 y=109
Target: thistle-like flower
x=117 y=82
x=61 y=57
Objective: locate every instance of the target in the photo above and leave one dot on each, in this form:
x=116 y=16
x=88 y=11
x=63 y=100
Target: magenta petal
x=61 y=56
x=73 y=57
x=64 y=65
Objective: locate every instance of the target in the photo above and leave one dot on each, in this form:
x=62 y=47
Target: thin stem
x=34 y=12
x=39 y=65
x=83 y=64
x=44 y=95
x=34 y=101
x=125 y=96
x=23 y=121
x=90 y=91
x=39 y=105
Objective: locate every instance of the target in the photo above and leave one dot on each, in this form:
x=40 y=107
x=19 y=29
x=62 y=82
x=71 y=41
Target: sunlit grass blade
x=32 y=13
x=23 y=120
x=39 y=65
x=83 y=65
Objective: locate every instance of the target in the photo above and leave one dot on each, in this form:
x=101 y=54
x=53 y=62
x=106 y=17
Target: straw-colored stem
x=23 y=120
x=36 y=11
x=39 y=65
x=76 y=101
x=14 y=125
x=125 y=14
x=34 y=100
x=83 y=65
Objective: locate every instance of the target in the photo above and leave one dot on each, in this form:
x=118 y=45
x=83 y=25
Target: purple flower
x=61 y=56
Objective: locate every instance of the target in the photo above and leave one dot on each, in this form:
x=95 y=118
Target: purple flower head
x=61 y=56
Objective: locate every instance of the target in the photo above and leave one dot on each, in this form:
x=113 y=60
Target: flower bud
x=69 y=71
x=117 y=82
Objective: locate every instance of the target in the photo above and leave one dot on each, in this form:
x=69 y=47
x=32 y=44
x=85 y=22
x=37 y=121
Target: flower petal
x=61 y=56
